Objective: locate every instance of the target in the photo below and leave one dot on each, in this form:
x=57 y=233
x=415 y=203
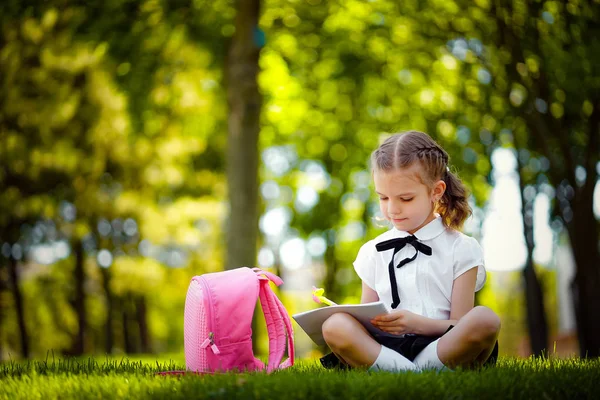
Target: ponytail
x=453 y=207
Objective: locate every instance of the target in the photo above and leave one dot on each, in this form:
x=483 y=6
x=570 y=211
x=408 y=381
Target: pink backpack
x=217 y=322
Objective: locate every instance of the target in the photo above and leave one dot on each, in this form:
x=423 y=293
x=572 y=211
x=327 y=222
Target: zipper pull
x=210 y=341
x=213 y=346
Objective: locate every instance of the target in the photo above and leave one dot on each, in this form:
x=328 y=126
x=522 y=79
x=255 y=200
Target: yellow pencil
x=318 y=297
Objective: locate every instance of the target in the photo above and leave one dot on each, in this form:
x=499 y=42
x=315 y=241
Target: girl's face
x=404 y=200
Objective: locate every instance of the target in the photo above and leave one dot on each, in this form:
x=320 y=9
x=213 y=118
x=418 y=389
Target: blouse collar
x=427 y=232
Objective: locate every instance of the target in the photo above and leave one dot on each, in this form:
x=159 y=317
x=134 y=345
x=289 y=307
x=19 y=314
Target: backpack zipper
x=210 y=340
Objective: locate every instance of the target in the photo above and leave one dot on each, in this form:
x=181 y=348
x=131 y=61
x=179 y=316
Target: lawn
x=132 y=378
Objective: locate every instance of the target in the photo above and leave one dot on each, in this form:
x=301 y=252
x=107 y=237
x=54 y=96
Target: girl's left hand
x=398 y=322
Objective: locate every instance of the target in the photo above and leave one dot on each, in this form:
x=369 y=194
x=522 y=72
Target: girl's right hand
x=398 y=322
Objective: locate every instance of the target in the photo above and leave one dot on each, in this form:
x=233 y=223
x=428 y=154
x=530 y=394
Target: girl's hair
x=404 y=149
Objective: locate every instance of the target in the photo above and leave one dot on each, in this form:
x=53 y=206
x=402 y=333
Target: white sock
x=428 y=358
x=389 y=360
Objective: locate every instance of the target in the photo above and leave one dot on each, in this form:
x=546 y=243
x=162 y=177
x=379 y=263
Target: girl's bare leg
x=471 y=341
x=350 y=341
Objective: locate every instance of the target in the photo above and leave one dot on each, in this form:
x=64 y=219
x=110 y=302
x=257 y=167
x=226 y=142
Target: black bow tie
x=397 y=245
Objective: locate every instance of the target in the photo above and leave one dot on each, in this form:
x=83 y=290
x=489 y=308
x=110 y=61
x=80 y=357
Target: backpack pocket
x=235 y=357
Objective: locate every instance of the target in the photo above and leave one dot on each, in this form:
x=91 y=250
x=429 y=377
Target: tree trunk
x=536 y=314
x=583 y=235
x=332 y=289
x=245 y=103
x=537 y=325
x=128 y=334
x=142 y=322
x=79 y=301
x=3 y=287
x=13 y=276
x=109 y=332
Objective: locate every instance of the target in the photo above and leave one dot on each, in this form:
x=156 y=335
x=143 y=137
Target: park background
x=145 y=142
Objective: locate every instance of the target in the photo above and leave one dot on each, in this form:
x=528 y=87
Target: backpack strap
x=290 y=334
x=288 y=327
x=278 y=322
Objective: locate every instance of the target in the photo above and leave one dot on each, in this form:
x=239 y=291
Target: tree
x=62 y=112
x=556 y=99
x=245 y=102
x=521 y=78
x=168 y=87
x=534 y=295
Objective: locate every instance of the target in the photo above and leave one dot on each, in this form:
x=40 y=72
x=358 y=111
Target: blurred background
x=143 y=142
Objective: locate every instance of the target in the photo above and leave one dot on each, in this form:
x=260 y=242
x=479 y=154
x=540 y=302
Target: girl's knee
x=337 y=330
x=489 y=320
x=486 y=324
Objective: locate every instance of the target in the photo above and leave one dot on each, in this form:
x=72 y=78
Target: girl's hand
x=398 y=322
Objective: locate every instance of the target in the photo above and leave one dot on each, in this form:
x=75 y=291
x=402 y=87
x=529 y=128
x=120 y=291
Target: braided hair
x=404 y=149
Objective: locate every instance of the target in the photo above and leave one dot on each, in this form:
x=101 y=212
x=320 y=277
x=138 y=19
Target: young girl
x=424 y=270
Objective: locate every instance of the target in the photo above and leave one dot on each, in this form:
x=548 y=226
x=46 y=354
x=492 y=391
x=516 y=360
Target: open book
x=311 y=321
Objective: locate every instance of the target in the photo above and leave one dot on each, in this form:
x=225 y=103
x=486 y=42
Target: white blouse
x=425 y=284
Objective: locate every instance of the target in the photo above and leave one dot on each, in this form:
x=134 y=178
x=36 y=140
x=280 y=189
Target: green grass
x=126 y=378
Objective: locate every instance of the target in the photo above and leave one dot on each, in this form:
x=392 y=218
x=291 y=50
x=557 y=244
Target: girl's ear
x=439 y=188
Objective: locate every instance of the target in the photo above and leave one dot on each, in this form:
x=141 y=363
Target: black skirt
x=409 y=346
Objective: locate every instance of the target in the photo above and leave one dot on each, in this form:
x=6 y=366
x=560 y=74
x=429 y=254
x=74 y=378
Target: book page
x=311 y=321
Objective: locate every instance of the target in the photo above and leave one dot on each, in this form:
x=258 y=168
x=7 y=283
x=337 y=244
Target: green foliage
x=84 y=125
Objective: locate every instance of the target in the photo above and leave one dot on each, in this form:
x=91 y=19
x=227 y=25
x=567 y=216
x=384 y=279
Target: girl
x=424 y=270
